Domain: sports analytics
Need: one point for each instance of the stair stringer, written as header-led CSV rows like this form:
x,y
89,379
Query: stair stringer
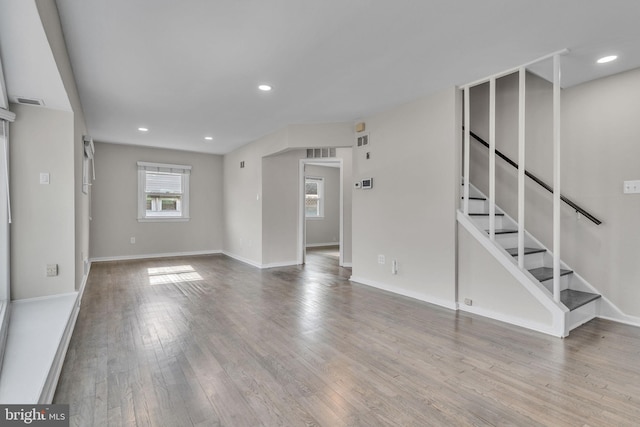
x,y
557,310
601,308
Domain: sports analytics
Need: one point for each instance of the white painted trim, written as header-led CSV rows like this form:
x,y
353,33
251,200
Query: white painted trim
x,y
556,309
7,115
466,154
512,320
161,255
28,300
556,178
279,264
492,159
522,88
320,245
347,264
514,69
405,292
51,383
242,259
258,265
84,283
633,321
610,311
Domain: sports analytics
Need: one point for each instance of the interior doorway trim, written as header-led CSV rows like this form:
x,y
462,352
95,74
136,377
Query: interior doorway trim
x,y
301,216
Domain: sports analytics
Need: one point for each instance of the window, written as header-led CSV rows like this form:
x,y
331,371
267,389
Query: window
x,y
314,197
163,192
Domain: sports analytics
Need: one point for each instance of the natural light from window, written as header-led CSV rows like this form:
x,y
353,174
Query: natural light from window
x,y
175,274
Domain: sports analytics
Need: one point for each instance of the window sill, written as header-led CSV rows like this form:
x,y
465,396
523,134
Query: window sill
x,y
164,219
315,218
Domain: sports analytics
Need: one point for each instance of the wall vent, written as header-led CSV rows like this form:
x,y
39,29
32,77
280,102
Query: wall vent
x,y
29,101
319,153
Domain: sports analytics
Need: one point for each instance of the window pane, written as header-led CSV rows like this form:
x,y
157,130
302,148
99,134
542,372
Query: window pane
x,y
170,204
311,187
311,206
158,182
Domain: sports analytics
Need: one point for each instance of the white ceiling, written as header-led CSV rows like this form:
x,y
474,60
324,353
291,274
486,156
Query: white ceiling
x,y
29,67
187,69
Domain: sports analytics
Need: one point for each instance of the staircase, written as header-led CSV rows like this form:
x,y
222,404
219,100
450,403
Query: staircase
x,y
579,297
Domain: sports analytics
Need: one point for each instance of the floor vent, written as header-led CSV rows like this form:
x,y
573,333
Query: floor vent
x,y
29,101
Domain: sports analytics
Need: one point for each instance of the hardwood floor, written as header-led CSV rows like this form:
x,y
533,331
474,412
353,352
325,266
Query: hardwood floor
x,y
208,341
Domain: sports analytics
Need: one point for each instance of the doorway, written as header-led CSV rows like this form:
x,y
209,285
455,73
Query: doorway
x,y
321,207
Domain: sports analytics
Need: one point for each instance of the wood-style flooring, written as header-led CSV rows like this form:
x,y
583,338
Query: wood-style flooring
x,y
208,341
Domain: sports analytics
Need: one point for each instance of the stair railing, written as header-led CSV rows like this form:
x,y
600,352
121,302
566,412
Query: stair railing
x,y
522,173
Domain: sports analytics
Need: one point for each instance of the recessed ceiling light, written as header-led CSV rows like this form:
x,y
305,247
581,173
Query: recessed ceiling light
x,y
143,129
265,88
208,138
606,59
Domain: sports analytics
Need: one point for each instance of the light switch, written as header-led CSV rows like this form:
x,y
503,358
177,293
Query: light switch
x,y
44,177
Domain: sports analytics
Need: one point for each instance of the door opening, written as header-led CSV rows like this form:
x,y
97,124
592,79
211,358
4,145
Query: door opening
x,y
321,212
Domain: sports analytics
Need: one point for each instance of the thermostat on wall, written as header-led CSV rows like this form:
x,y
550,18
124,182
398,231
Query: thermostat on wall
x,y
367,183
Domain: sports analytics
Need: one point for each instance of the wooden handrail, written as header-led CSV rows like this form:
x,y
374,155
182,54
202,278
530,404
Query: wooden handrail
x,y
541,183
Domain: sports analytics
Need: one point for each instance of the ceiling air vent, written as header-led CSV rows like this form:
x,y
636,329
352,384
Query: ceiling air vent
x,y
29,101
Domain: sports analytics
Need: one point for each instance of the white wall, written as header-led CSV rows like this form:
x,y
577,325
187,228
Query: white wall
x,y
243,198
409,215
43,228
598,153
325,230
600,150
245,225
114,207
280,207
51,22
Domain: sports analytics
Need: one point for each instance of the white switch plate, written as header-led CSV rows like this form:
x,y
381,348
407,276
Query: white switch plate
x,y
631,187
44,177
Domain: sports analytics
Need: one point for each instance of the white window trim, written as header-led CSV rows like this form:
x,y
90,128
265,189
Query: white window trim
x,y
185,170
320,216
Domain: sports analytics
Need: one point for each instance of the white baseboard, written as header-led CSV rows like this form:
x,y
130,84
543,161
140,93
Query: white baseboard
x,y
258,265
161,255
279,264
319,245
347,264
242,259
405,292
512,320
610,311
84,282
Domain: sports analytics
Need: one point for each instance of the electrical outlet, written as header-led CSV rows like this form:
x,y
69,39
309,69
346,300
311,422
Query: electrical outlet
x,y
631,187
468,301
132,240
52,270
381,259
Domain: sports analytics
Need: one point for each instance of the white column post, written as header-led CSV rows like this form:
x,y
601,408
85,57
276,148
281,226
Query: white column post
x,y
556,178
492,158
467,140
521,163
